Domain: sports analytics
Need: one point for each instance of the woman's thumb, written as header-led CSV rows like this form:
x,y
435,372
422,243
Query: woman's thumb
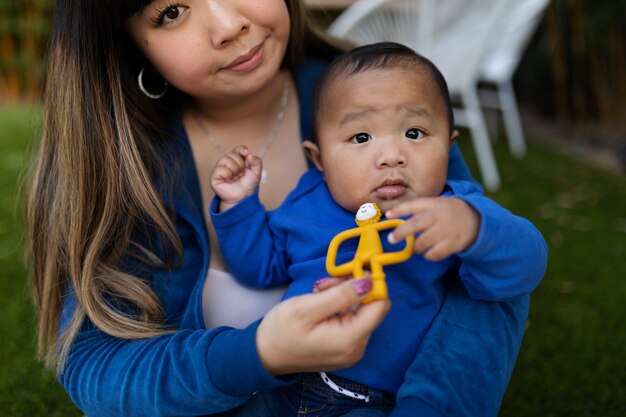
x,y
325,304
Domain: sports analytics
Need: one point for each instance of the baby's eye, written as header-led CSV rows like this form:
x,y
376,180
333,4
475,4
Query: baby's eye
x,y
361,137
414,133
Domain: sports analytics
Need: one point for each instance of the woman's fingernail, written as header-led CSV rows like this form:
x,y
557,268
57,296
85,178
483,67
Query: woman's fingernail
x,y
391,238
353,308
320,281
362,286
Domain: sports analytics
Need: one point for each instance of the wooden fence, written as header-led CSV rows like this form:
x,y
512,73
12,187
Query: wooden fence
x,y
586,42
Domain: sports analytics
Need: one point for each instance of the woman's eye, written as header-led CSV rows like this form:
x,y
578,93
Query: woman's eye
x,y
172,13
361,138
169,15
414,133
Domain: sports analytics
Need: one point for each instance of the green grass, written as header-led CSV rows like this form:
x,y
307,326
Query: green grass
x,y
26,389
572,361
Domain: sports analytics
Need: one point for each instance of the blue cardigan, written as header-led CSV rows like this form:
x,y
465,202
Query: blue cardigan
x,y
288,246
195,371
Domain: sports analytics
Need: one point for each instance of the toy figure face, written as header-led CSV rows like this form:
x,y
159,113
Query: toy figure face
x,y
383,136
213,49
366,211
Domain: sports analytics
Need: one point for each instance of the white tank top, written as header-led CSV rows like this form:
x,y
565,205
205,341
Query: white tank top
x,y
225,302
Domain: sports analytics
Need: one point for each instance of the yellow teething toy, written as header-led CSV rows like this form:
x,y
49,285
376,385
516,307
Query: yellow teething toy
x,y
369,252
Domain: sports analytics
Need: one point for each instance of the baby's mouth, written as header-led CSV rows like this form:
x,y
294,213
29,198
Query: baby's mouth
x,y
390,189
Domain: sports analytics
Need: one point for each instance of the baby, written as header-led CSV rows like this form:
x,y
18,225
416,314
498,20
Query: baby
x,y
383,132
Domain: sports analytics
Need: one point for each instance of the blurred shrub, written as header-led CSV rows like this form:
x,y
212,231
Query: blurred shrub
x,y
24,28
575,69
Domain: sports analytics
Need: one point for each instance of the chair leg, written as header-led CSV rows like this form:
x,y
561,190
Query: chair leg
x,y
480,139
512,123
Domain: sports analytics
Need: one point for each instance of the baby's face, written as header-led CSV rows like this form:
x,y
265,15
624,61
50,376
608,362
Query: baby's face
x,y
384,137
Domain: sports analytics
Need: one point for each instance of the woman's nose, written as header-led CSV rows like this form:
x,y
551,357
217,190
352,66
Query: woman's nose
x,y
390,156
227,23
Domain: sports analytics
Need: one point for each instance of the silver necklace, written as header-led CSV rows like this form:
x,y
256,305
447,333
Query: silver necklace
x,y
270,138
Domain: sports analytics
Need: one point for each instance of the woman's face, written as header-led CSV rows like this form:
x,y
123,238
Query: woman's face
x,y
213,49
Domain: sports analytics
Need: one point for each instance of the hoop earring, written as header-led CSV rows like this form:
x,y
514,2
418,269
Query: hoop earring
x,y
146,92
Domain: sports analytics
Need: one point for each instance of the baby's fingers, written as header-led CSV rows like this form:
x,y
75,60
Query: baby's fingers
x,y
255,164
432,245
439,251
233,161
410,207
412,225
241,150
425,241
228,168
221,173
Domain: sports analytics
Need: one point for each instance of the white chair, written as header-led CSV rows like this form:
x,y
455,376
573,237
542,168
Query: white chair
x,y
513,34
454,34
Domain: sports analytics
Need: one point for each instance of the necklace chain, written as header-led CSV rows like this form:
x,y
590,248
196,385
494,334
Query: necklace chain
x,y
270,138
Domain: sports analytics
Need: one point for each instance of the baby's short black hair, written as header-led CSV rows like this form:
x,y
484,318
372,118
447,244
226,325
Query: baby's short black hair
x,y
378,56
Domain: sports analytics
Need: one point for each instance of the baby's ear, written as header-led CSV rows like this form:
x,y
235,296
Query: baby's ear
x,y
312,151
454,136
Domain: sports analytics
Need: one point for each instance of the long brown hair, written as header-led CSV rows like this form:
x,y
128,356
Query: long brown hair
x,y
91,197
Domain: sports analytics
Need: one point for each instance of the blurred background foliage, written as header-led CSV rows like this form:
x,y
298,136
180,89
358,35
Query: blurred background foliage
x,y
575,68
24,29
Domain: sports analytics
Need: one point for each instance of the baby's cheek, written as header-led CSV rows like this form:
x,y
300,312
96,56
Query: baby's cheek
x,y
346,196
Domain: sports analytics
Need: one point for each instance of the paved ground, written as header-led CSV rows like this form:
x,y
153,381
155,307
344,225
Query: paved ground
x,y
609,154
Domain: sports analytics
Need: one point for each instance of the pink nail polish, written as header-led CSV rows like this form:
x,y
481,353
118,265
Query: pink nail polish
x,y
320,281
362,286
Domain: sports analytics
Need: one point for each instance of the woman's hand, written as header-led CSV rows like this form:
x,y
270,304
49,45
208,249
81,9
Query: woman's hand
x,y
314,332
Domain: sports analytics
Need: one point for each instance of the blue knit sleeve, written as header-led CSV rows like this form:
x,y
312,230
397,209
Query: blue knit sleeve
x,y
255,255
508,258
186,373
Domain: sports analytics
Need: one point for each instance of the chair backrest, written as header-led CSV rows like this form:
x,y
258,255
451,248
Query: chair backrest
x,y
370,21
454,34
514,32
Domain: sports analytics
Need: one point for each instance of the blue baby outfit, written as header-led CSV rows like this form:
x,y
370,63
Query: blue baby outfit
x,y
289,244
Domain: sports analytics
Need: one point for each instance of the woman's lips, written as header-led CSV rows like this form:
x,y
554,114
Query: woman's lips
x,y
248,61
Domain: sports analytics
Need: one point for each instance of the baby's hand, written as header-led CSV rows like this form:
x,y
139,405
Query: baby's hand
x,y
236,175
446,225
